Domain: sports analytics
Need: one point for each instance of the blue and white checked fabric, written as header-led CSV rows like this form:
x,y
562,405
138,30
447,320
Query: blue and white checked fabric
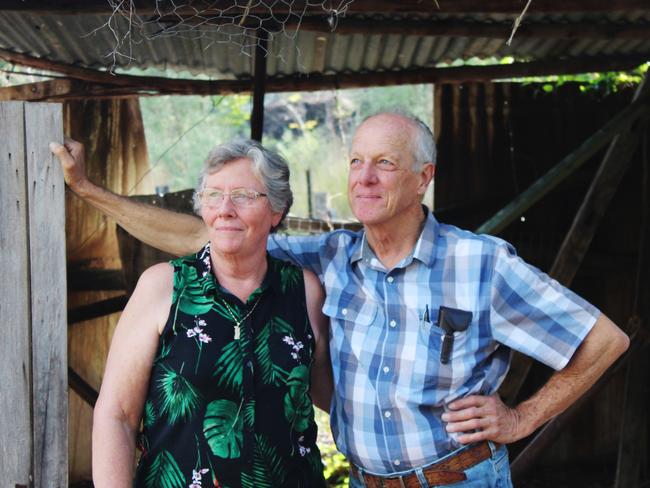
x,y
390,387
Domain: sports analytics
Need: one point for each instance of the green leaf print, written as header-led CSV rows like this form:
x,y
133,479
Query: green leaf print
x,y
149,417
190,293
271,373
289,277
268,469
249,414
164,472
298,408
179,399
229,367
222,427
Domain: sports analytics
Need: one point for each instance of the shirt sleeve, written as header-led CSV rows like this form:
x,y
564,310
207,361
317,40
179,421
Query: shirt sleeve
x,y
535,315
303,251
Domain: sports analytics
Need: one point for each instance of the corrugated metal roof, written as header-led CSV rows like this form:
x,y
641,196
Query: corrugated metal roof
x,y
222,53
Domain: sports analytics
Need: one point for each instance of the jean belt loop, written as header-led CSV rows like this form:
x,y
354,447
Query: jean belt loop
x,y
421,478
493,448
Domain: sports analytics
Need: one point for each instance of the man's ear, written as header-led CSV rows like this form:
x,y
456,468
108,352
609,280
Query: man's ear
x,y
426,175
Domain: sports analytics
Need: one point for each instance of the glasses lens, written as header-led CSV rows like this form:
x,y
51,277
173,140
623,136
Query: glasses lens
x,y
242,197
212,197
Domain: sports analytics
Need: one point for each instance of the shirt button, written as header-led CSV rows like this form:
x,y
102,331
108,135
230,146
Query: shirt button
x,y
396,462
392,323
344,311
386,369
390,279
387,414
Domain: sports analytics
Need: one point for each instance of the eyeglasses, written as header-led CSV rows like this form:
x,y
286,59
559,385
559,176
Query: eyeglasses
x,y
240,197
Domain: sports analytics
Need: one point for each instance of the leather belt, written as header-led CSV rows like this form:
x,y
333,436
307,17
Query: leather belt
x,y
444,472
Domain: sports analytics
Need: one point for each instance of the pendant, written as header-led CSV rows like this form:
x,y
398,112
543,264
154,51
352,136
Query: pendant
x,y
237,333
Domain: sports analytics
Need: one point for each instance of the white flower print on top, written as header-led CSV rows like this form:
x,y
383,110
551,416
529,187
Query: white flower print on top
x,y
197,477
295,346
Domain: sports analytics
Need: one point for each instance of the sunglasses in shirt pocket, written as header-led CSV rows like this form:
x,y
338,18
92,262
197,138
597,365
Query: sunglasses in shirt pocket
x,y
447,334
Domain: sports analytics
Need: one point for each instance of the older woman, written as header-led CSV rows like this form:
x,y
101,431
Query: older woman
x,y
213,352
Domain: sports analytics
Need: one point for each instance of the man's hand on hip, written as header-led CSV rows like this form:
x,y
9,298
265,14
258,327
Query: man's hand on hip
x,y
482,418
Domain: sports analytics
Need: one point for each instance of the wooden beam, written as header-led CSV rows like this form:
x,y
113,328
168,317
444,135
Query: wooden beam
x,y
109,85
598,197
633,442
564,168
82,388
86,279
36,91
434,26
574,248
148,7
97,309
259,86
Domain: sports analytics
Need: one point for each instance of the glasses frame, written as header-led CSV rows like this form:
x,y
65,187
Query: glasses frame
x,y
252,196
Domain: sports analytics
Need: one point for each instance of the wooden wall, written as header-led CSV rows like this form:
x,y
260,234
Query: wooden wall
x,y
33,359
495,139
116,157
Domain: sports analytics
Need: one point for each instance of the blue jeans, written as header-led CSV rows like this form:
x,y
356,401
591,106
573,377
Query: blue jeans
x,y
494,472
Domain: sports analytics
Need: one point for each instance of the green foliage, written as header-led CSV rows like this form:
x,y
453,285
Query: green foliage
x,y
267,469
164,472
270,372
179,399
229,367
607,82
222,427
297,404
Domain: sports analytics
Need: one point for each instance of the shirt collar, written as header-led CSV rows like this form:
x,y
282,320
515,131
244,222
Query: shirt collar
x,y
424,250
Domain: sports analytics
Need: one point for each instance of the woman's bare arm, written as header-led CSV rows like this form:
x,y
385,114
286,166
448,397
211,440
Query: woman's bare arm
x,y
173,232
321,369
117,414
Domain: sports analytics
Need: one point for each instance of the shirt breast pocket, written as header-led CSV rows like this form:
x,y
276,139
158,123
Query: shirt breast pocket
x,y
445,344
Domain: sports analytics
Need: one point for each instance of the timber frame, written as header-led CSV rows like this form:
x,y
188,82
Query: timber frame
x,y
364,18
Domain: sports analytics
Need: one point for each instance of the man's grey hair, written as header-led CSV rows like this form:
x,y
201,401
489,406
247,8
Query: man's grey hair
x,y
424,144
271,168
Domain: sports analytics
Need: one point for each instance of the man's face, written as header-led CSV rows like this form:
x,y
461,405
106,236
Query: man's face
x,y
381,183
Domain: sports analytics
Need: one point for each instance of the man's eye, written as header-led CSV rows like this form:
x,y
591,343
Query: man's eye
x,y
354,161
385,162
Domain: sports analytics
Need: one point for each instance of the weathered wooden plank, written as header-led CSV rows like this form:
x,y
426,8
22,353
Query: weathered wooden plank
x,y
124,85
45,187
91,279
15,354
564,168
37,91
97,309
633,443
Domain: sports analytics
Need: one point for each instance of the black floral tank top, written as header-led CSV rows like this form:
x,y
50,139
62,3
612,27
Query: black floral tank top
x,y
228,405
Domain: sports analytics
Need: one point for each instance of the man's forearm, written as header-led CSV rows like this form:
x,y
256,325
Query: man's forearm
x,y
173,232
602,346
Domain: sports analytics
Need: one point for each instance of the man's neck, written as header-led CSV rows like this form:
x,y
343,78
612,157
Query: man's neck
x,y
393,241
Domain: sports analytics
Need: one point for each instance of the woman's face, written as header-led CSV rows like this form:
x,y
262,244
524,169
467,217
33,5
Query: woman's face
x,y
238,230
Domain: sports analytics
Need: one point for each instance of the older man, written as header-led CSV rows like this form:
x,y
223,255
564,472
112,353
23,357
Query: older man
x,y
423,319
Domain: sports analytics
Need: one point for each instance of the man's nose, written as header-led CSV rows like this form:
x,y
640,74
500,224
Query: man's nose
x,y
367,173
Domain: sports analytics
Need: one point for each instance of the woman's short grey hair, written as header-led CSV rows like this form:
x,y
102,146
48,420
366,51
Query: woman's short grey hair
x,y
423,144
271,168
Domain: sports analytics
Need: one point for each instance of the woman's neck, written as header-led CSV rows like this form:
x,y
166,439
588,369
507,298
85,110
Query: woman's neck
x,y
240,276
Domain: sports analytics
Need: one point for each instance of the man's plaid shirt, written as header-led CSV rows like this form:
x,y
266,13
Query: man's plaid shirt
x,y
390,386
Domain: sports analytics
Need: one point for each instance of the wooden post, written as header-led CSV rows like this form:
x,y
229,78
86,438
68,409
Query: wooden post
x,y
33,351
259,86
